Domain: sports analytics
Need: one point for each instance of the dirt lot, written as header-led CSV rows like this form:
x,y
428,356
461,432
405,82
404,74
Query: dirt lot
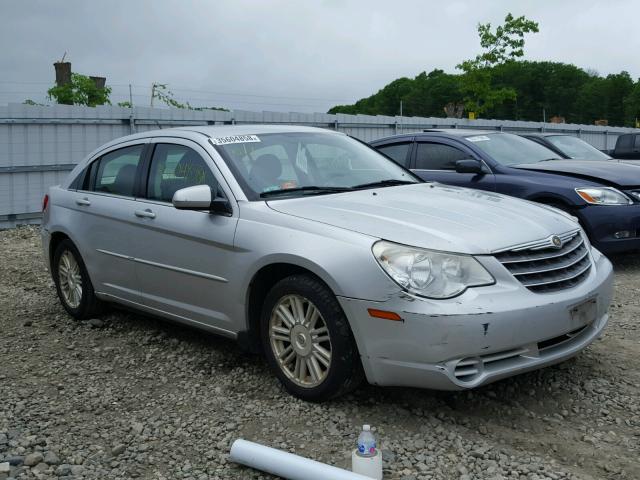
x,y
126,396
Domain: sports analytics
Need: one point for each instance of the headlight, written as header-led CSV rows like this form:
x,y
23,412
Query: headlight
x,y
428,273
603,196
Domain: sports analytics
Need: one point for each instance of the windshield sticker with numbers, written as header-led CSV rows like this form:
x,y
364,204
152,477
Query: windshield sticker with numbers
x,y
478,138
235,139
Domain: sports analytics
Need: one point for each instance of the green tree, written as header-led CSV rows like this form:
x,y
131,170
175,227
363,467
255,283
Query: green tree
x,y
591,101
504,45
617,88
81,91
429,94
632,106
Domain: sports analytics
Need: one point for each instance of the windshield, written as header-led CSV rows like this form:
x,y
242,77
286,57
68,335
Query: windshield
x,y
509,149
278,165
576,148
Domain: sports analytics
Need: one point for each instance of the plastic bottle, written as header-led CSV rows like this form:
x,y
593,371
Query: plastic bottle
x,y
366,442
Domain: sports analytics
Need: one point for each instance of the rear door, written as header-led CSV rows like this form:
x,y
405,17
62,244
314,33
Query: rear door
x,y
185,258
104,210
435,160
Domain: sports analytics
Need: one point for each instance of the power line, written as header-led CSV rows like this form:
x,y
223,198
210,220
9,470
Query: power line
x,y
174,89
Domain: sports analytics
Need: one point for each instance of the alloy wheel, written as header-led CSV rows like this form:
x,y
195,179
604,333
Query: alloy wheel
x,y
300,340
70,279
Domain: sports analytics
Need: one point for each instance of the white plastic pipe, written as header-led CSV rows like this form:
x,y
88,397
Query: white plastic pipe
x,y
287,465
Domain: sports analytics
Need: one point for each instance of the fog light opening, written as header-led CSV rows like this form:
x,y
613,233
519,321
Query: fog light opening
x,y
622,234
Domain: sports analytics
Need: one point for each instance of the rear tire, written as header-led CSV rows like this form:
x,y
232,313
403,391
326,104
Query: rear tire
x,y
307,340
73,284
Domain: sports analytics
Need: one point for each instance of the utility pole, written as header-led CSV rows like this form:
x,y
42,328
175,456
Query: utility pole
x,y
401,128
130,97
153,92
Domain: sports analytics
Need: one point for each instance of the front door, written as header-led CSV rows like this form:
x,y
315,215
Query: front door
x,y
185,257
435,161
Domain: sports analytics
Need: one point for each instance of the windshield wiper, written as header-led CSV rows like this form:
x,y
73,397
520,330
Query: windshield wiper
x,y
550,159
315,189
384,183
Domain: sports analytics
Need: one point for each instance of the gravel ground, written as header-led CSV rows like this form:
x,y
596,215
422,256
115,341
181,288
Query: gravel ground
x,y
126,396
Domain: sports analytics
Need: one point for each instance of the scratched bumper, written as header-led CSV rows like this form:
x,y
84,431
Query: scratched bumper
x,y
484,335
45,237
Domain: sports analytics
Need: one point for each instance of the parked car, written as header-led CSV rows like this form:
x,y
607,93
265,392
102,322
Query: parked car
x,y
567,146
627,147
603,195
334,261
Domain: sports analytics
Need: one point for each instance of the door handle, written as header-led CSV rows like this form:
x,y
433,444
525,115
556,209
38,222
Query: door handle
x,y
83,202
145,213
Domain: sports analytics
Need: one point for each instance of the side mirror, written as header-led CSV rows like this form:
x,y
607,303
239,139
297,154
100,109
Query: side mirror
x,y
200,197
469,165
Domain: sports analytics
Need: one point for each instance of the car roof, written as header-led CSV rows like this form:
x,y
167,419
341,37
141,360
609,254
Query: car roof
x,y
193,132
458,132
545,134
197,131
249,129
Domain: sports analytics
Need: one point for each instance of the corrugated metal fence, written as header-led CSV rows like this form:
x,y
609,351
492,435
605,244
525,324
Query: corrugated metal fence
x,y
39,145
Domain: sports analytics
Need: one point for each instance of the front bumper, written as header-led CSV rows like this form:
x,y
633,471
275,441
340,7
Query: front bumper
x,y
45,236
486,334
602,222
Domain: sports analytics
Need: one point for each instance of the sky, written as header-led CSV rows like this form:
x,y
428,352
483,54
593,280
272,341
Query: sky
x,y
288,55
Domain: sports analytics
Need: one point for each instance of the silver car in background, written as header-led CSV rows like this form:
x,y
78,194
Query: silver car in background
x,y
335,262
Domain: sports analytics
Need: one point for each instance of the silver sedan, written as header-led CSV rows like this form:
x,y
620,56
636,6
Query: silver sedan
x,y
335,262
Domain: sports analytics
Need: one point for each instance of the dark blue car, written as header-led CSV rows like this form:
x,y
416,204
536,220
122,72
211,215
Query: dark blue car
x,y
604,195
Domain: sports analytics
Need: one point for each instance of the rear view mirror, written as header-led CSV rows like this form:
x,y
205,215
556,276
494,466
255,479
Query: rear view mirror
x,y
200,197
469,165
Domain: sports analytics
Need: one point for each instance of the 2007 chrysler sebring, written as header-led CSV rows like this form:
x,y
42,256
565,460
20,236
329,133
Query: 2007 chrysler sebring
x,y
328,256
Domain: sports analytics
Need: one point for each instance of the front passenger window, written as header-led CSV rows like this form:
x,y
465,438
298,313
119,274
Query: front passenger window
x,y
174,167
437,156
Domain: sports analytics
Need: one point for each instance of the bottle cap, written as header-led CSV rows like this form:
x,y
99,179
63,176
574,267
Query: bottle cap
x,y
366,428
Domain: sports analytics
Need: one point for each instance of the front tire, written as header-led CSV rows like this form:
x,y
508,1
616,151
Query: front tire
x,y
73,284
307,340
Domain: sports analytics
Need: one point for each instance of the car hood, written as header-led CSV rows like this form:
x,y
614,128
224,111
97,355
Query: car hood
x,y
608,171
434,216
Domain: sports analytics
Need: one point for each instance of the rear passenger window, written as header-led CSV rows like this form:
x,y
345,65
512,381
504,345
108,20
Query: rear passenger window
x,y
398,152
115,172
435,156
174,167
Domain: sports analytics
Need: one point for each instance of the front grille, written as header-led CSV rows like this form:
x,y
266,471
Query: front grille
x,y
470,368
543,268
552,342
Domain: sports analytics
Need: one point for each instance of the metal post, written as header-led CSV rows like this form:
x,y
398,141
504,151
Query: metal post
x,y
130,97
401,129
153,92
